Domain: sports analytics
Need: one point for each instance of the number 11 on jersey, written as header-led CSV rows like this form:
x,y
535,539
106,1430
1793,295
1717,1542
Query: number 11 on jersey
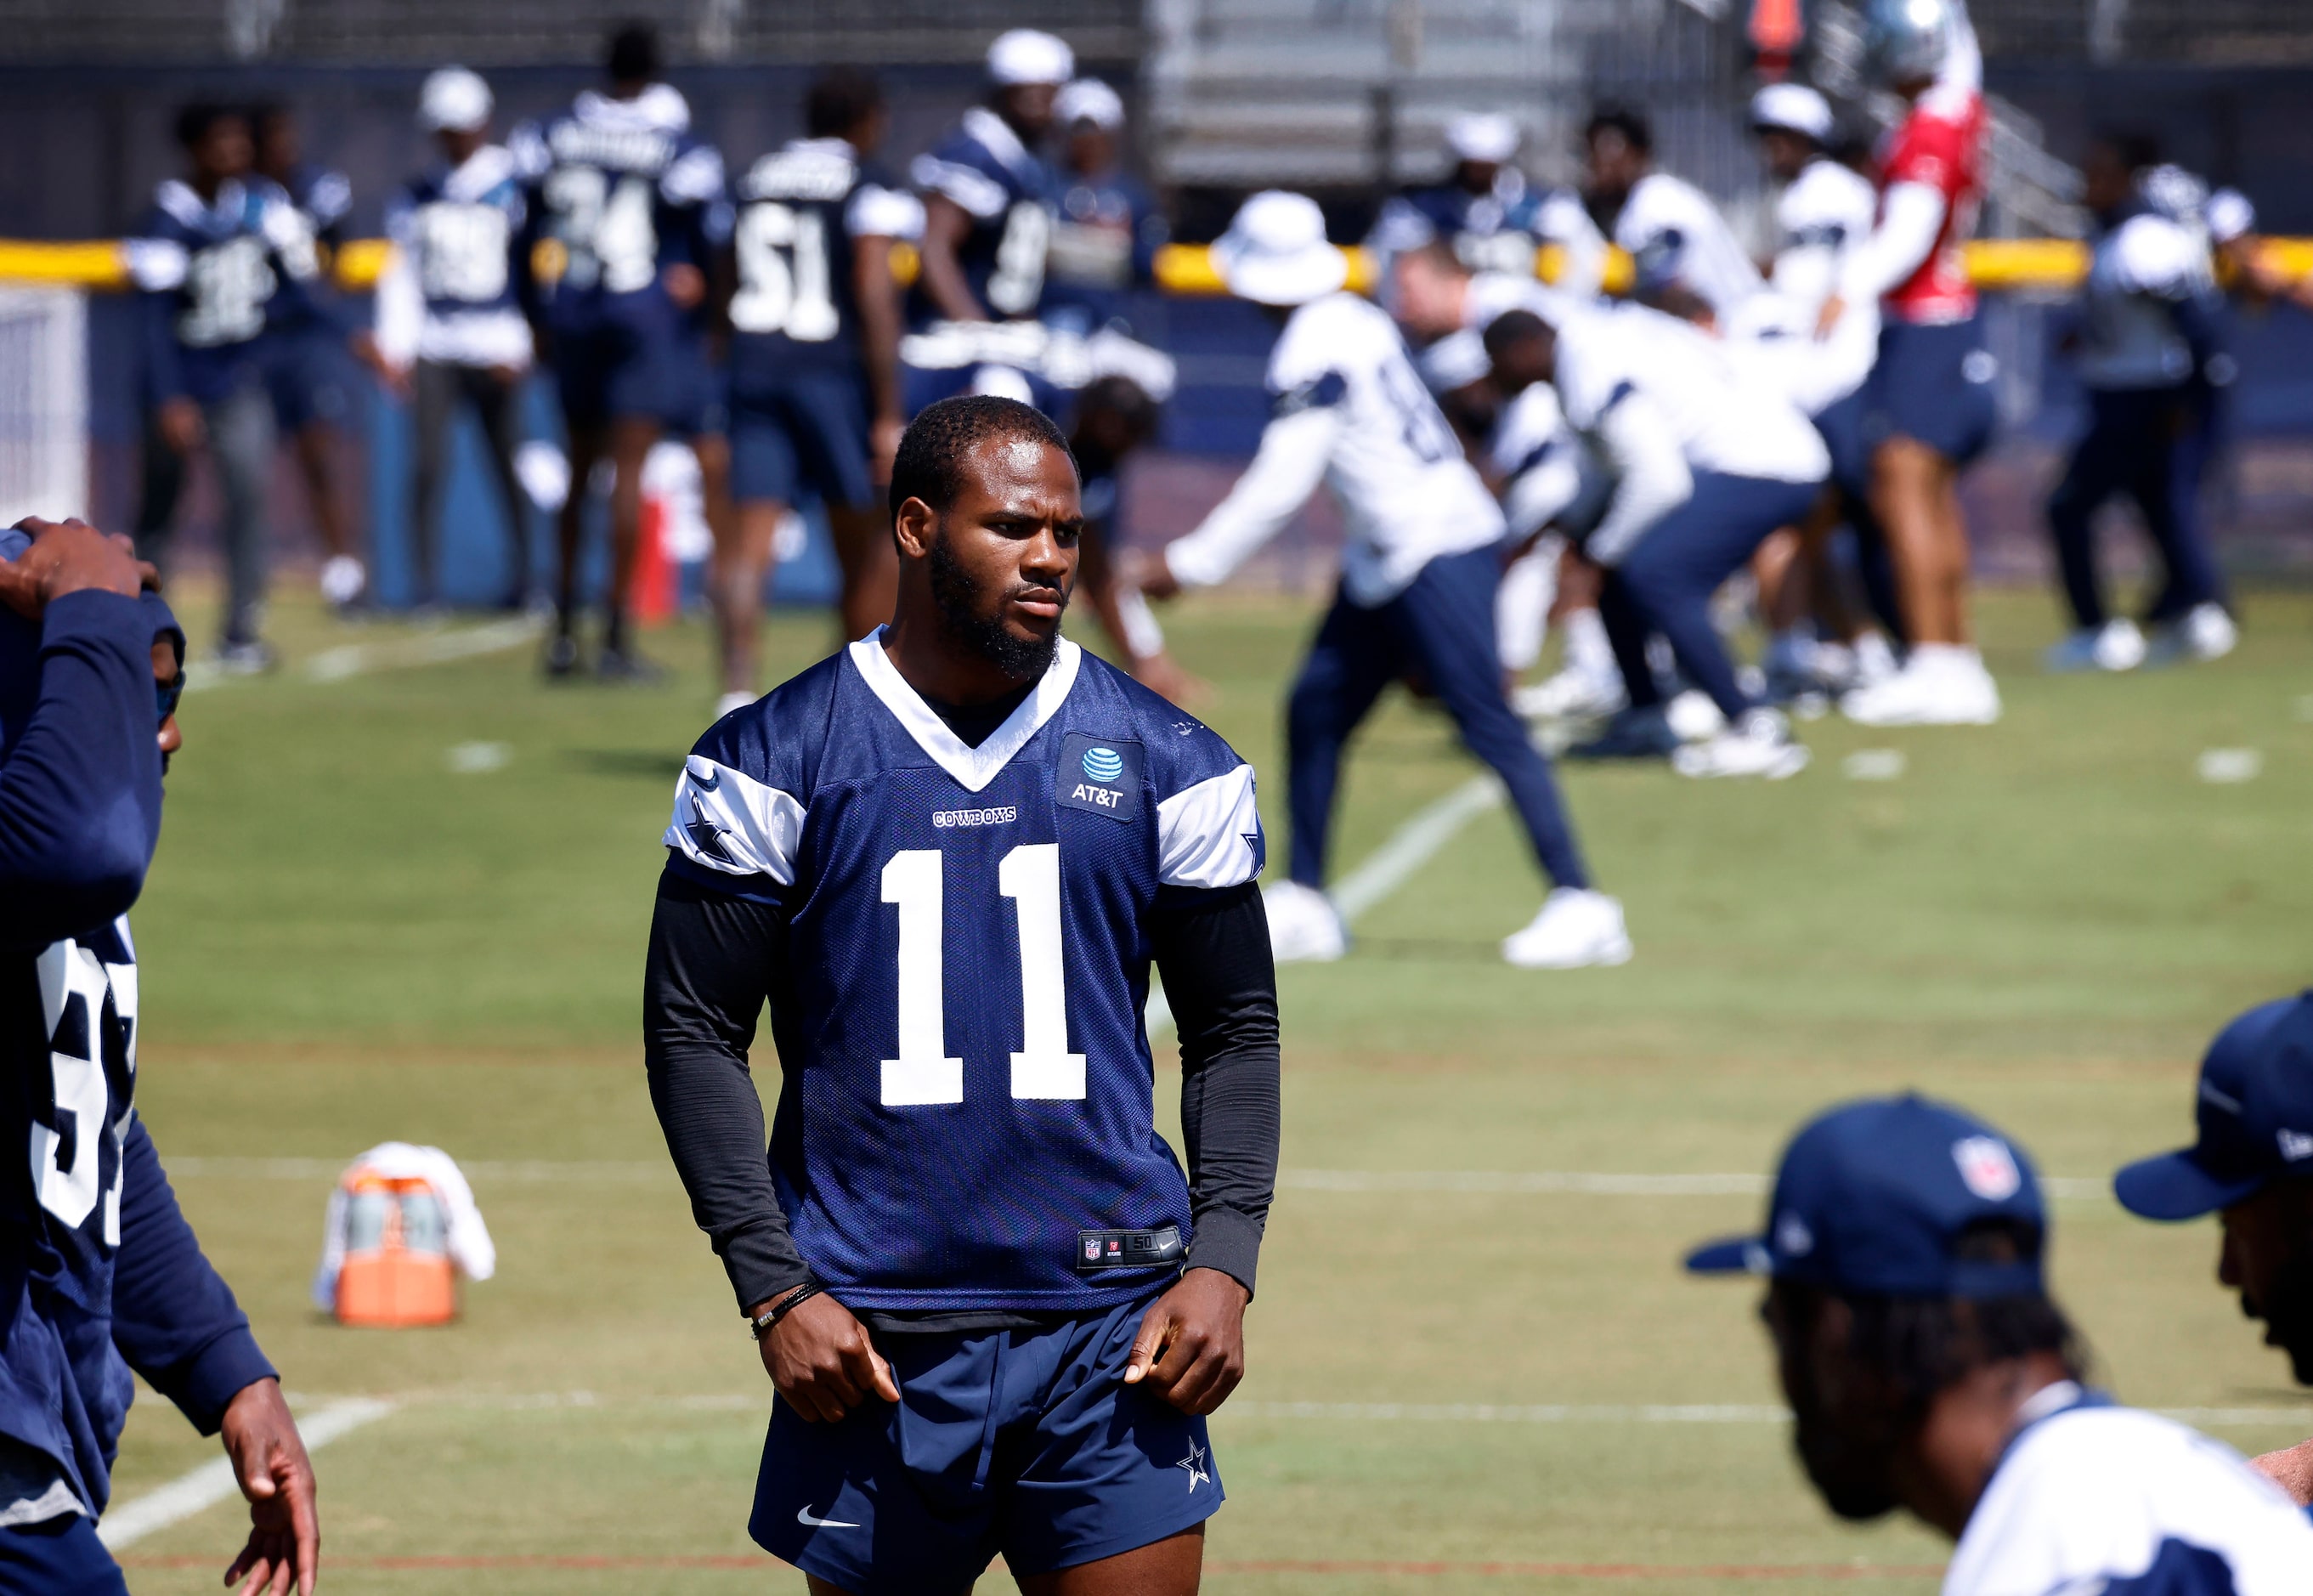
x,y
1043,1068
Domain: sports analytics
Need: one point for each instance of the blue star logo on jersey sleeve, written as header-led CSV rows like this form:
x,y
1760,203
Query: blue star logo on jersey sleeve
x,y
708,838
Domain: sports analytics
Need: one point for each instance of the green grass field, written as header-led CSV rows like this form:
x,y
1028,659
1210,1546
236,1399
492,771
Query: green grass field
x,y
346,939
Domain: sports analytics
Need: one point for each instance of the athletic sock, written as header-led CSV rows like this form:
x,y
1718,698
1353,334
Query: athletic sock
x,y
1587,648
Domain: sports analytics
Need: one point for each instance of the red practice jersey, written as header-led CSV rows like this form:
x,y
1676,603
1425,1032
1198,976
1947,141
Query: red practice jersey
x,y
1941,145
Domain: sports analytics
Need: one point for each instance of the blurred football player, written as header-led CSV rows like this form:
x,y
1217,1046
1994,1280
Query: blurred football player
x,y
995,1311
1107,226
623,205
1927,1369
1687,259
104,1275
448,325
1707,460
306,369
1930,411
988,193
221,259
1490,215
1418,578
2149,348
815,405
2251,1164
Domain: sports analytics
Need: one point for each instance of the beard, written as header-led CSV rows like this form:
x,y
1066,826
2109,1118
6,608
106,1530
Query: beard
x,y
2287,1311
1024,659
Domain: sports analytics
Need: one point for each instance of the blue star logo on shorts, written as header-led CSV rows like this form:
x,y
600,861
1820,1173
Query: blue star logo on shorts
x,y
1195,1464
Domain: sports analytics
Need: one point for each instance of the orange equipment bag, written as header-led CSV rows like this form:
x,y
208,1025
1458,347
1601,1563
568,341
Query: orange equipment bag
x,y
397,1268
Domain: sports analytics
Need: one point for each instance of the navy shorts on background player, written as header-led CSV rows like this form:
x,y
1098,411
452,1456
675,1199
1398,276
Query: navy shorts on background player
x,y
1933,384
1023,1442
807,429
616,366
60,1557
306,378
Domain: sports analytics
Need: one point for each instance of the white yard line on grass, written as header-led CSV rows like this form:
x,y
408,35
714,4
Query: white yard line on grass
x,y
212,1482
360,659
1385,870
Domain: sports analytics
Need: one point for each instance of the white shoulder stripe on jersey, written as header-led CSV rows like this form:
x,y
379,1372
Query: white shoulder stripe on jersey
x,y
975,190
972,768
1205,832
728,822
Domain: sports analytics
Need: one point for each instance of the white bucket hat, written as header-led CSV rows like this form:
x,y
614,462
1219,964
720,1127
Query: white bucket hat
x,y
1089,100
1482,135
1275,251
1792,108
453,99
1026,56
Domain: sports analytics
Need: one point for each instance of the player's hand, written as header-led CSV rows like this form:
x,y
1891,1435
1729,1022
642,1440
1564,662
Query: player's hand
x,y
66,557
2292,1469
1828,317
269,1463
1151,573
884,436
1191,1349
685,284
820,1361
181,426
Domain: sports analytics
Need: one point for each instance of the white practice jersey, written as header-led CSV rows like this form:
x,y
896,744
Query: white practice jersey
x,y
1725,417
1348,409
1541,463
1772,338
1820,216
2139,270
2103,1501
1676,236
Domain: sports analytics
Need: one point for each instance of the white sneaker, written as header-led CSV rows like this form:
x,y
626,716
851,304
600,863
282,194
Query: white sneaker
x,y
1572,694
1693,716
1759,745
1576,926
2115,645
1304,926
732,701
1941,685
343,578
2206,632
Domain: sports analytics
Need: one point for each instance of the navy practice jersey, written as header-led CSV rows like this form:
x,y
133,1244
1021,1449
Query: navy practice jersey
x,y
215,277
967,1100
1104,242
1499,230
618,191
449,293
798,210
1008,193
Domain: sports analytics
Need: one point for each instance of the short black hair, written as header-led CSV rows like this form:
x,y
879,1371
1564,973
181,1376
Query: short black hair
x,y
929,463
1506,331
195,121
632,55
2135,151
1627,120
264,113
841,99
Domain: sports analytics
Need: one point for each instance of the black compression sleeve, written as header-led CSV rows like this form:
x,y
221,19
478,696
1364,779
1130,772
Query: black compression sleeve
x,y
703,986
1213,949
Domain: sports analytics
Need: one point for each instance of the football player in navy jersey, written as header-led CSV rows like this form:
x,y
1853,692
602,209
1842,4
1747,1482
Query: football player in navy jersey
x,y
988,193
221,259
814,360
995,1308
621,204
305,370
1108,227
98,1273
448,327
1493,217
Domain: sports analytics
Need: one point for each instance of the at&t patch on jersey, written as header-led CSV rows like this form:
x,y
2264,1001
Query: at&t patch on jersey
x,y
1102,774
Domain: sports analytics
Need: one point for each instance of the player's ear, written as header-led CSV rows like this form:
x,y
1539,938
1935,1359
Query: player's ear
x,y
914,527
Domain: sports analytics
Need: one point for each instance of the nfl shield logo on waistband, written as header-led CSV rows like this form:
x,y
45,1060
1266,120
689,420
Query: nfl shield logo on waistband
x,y
1092,1250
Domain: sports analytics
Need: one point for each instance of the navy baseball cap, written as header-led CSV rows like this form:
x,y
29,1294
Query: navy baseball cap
x,y
1875,1197
2254,1111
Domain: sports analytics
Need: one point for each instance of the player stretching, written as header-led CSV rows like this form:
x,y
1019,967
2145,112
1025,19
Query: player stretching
x,y
1418,579
815,359
1930,406
995,1312
622,204
1928,1369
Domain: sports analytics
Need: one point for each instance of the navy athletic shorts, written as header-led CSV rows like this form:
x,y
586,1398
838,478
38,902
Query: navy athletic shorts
x,y
803,430
60,1557
1023,1442
617,361
306,379
694,390
1934,384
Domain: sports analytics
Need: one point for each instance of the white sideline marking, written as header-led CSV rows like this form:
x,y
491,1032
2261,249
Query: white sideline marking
x,y
478,759
2225,767
212,1482
357,660
522,1169
1385,870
